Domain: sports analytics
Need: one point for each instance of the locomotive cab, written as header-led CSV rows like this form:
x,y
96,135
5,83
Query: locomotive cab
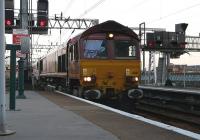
x,y
104,62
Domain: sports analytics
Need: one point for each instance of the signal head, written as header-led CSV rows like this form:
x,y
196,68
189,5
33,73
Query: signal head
x,y
42,23
8,22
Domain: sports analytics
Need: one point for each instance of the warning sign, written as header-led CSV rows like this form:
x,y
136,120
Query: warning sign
x,y
18,35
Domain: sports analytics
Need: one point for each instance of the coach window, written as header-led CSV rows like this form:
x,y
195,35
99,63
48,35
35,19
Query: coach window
x,y
63,66
41,65
71,52
76,53
59,64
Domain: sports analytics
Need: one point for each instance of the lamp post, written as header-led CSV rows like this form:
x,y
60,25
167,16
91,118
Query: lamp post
x,y
3,130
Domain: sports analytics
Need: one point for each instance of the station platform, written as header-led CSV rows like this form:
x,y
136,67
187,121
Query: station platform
x,y
51,116
173,89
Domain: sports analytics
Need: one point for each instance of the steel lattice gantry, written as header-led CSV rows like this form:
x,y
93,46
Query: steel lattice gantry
x,y
67,23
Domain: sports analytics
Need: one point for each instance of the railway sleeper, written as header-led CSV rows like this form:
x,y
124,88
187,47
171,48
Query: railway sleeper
x,y
192,109
178,97
185,102
173,114
171,107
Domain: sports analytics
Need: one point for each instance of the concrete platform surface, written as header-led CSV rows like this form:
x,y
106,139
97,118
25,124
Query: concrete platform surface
x,y
40,119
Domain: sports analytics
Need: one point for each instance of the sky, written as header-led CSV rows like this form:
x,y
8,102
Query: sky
x,y
155,14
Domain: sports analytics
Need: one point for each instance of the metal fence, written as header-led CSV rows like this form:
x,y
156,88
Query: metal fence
x,y
178,79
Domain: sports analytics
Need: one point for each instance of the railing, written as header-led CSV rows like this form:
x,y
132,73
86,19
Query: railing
x,y
178,79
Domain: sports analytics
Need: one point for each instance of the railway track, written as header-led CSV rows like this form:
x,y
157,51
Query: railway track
x,y
176,107
169,116
183,115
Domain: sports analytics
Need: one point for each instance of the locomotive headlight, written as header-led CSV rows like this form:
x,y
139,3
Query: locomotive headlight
x,y
87,79
110,35
136,79
91,80
130,79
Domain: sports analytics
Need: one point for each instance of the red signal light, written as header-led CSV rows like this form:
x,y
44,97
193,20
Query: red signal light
x,y
150,44
8,22
182,45
43,23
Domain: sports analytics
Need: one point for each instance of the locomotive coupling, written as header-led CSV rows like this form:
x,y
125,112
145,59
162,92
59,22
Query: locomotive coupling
x,y
135,93
92,94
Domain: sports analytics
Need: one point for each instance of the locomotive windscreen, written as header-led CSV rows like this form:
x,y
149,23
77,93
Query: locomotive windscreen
x,y
95,49
112,49
124,49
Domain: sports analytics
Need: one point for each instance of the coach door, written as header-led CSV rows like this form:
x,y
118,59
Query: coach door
x,y
73,63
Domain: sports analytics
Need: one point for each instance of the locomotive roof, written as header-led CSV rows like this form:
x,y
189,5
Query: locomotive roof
x,y
110,26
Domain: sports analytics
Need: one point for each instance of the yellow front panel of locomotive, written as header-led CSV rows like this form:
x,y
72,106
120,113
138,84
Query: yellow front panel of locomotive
x,y
88,71
110,73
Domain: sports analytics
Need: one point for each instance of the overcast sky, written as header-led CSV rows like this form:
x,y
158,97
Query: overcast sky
x,y
155,13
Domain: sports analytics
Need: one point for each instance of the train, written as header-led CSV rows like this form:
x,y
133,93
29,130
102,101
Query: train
x,y
100,63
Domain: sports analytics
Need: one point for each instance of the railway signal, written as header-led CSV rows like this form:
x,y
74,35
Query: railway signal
x,y
9,15
42,15
12,22
180,28
8,22
42,23
39,22
170,42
